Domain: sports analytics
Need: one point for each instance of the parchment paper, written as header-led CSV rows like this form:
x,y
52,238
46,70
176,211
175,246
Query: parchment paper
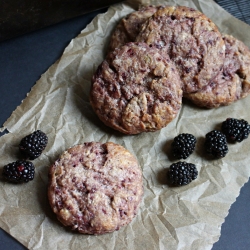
x,y
187,217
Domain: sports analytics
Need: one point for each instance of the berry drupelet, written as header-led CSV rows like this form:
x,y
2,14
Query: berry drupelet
x,y
182,173
216,144
32,145
19,171
235,130
183,145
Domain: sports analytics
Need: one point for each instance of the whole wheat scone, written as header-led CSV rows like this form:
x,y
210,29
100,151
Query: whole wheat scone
x,y
191,40
233,81
136,89
95,188
129,27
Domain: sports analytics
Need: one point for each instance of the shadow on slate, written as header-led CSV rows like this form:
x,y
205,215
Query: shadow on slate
x,y
20,17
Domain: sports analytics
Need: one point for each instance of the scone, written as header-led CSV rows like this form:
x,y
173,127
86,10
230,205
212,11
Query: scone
x,y
233,81
129,27
136,89
192,41
95,188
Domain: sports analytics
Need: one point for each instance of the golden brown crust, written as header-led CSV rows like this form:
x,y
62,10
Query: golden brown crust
x,y
95,188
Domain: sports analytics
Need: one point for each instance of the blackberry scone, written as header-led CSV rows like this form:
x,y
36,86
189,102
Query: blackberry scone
x,y
95,188
192,41
136,89
233,81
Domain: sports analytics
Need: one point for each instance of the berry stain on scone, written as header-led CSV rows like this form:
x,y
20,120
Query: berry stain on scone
x,y
129,27
233,81
95,188
136,89
191,40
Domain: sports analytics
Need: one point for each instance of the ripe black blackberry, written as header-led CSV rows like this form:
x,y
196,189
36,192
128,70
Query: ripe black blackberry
x,y
32,145
183,145
216,144
235,130
19,171
182,173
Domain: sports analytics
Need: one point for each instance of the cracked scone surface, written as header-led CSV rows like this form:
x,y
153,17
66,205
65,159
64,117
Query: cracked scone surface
x,y
129,27
233,81
191,40
136,89
95,188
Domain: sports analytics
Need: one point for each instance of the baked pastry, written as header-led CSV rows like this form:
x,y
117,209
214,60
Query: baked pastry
x,y
233,81
136,89
192,41
129,27
95,188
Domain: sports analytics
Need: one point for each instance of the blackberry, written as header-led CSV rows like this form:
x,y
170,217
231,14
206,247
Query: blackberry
x,y
32,145
19,171
216,144
183,146
235,130
182,173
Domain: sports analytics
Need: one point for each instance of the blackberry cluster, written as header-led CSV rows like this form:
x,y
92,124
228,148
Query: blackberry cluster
x,y
182,173
235,130
32,145
183,145
216,144
19,171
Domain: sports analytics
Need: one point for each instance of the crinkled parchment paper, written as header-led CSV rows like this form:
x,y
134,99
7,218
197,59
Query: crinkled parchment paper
x,y
187,217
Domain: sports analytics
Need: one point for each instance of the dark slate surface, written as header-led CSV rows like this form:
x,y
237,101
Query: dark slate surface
x,y
238,8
